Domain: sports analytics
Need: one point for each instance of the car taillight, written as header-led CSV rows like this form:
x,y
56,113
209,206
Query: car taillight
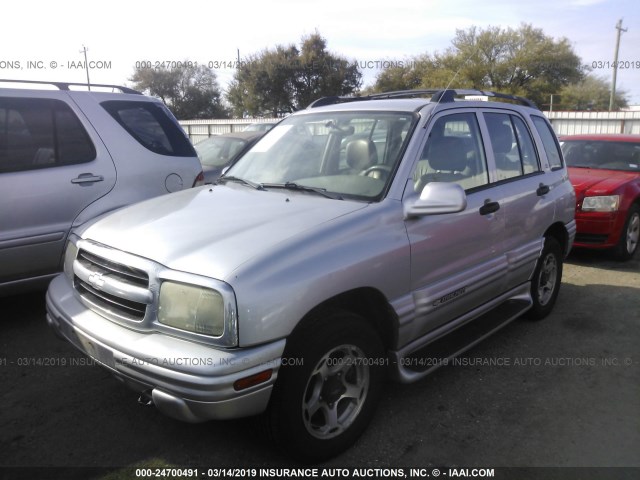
x,y
199,180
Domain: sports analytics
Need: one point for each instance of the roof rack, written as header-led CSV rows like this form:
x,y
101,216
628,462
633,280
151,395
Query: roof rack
x,y
66,85
437,95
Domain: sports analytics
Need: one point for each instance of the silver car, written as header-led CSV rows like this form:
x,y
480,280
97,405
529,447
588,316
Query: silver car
x,y
359,238
68,156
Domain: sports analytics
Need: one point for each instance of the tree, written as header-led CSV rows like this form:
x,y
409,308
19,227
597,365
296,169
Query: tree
x,y
591,93
285,79
401,76
191,91
263,83
322,73
522,62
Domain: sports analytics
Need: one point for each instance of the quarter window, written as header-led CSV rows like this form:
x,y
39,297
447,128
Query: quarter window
x,y
41,133
152,125
525,145
551,147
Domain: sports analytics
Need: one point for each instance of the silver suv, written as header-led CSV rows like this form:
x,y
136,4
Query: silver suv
x,y
359,238
67,156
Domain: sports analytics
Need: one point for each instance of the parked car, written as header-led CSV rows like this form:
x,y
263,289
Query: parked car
x,y
218,152
605,172
68,156
323,261
259,127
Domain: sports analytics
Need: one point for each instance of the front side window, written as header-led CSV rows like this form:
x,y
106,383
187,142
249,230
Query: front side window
x,y
152,125
343,154
453,153
41,133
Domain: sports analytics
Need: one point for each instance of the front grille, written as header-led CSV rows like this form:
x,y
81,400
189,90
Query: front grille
x,y
132,275
111,288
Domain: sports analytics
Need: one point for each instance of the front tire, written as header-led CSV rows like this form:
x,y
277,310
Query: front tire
x,y
547,277
630,236
318,409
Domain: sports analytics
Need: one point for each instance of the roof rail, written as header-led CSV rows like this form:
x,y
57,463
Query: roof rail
x,y
437,95
66,85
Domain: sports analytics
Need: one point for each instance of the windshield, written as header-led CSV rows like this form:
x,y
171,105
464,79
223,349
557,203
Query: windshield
x,y
218,151
348,154
599,154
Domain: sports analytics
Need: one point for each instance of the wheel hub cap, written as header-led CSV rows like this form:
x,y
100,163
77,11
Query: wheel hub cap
x,y
335,392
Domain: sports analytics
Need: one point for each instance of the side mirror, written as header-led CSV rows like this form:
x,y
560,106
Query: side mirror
x,y
437,198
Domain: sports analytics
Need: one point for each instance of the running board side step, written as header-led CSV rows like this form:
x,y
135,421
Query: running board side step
x,y
435,352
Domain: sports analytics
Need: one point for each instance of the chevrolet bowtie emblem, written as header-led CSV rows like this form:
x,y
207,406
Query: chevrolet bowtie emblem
x,y
96,279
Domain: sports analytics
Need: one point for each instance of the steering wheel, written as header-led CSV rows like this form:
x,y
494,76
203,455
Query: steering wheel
x,y
377,171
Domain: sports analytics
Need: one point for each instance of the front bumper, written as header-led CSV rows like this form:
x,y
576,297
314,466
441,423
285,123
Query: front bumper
x,y
186,380
598,229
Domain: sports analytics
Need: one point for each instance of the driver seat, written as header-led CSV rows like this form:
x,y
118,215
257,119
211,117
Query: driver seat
x,y
361,154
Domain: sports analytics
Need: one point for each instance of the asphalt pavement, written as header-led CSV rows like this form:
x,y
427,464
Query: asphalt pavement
x,y
563,392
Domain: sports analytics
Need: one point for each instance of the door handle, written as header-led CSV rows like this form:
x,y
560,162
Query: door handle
x,y
87,178
542,190
489,207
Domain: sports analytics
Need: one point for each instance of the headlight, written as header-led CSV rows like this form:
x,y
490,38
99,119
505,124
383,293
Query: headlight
x,y
70,255
192,308
609,203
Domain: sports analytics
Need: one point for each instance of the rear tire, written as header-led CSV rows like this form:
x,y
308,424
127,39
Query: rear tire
x,y
547,277
320,408
630,236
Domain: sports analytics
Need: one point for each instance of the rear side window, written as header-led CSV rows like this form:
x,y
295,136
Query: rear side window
x,y
512,146
41,133
549,142
152,125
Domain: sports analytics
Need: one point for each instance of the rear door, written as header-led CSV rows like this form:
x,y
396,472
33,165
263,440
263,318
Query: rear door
x,y
52,166
527,202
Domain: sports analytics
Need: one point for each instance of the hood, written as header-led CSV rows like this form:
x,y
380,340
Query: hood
x,y
597,181
213,230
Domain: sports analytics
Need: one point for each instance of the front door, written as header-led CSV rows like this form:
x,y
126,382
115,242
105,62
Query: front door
x,y
457,260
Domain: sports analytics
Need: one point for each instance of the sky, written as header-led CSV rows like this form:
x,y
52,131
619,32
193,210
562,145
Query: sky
x,y
43,40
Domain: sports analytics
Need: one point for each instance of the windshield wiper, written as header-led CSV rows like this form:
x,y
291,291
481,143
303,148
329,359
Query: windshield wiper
x,y
303,188
243,181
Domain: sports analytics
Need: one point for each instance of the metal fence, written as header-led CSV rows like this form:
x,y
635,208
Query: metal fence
x,y
564,123
199,130
572,123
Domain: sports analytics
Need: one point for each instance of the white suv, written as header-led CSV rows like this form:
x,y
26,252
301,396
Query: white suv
x,y
67,156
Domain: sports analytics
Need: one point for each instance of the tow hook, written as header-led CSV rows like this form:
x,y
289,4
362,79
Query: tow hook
x,y
145,399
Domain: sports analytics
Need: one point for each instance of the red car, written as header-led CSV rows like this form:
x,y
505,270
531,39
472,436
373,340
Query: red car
x,y
605,173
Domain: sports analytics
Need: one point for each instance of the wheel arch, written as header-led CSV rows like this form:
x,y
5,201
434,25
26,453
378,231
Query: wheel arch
x,y
367,302
559,232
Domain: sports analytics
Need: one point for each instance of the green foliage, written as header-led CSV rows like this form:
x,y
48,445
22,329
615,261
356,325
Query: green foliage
x,y
286,78
263,83
191,91
592,93
521,61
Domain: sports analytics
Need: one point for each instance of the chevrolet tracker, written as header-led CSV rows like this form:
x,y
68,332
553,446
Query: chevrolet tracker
x,y
357,237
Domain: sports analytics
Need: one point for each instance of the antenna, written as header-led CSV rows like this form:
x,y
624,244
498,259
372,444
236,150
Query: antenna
x,y
86,65
446,93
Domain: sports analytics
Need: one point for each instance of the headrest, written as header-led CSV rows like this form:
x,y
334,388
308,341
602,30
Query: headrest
x,y
361,154
448,153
